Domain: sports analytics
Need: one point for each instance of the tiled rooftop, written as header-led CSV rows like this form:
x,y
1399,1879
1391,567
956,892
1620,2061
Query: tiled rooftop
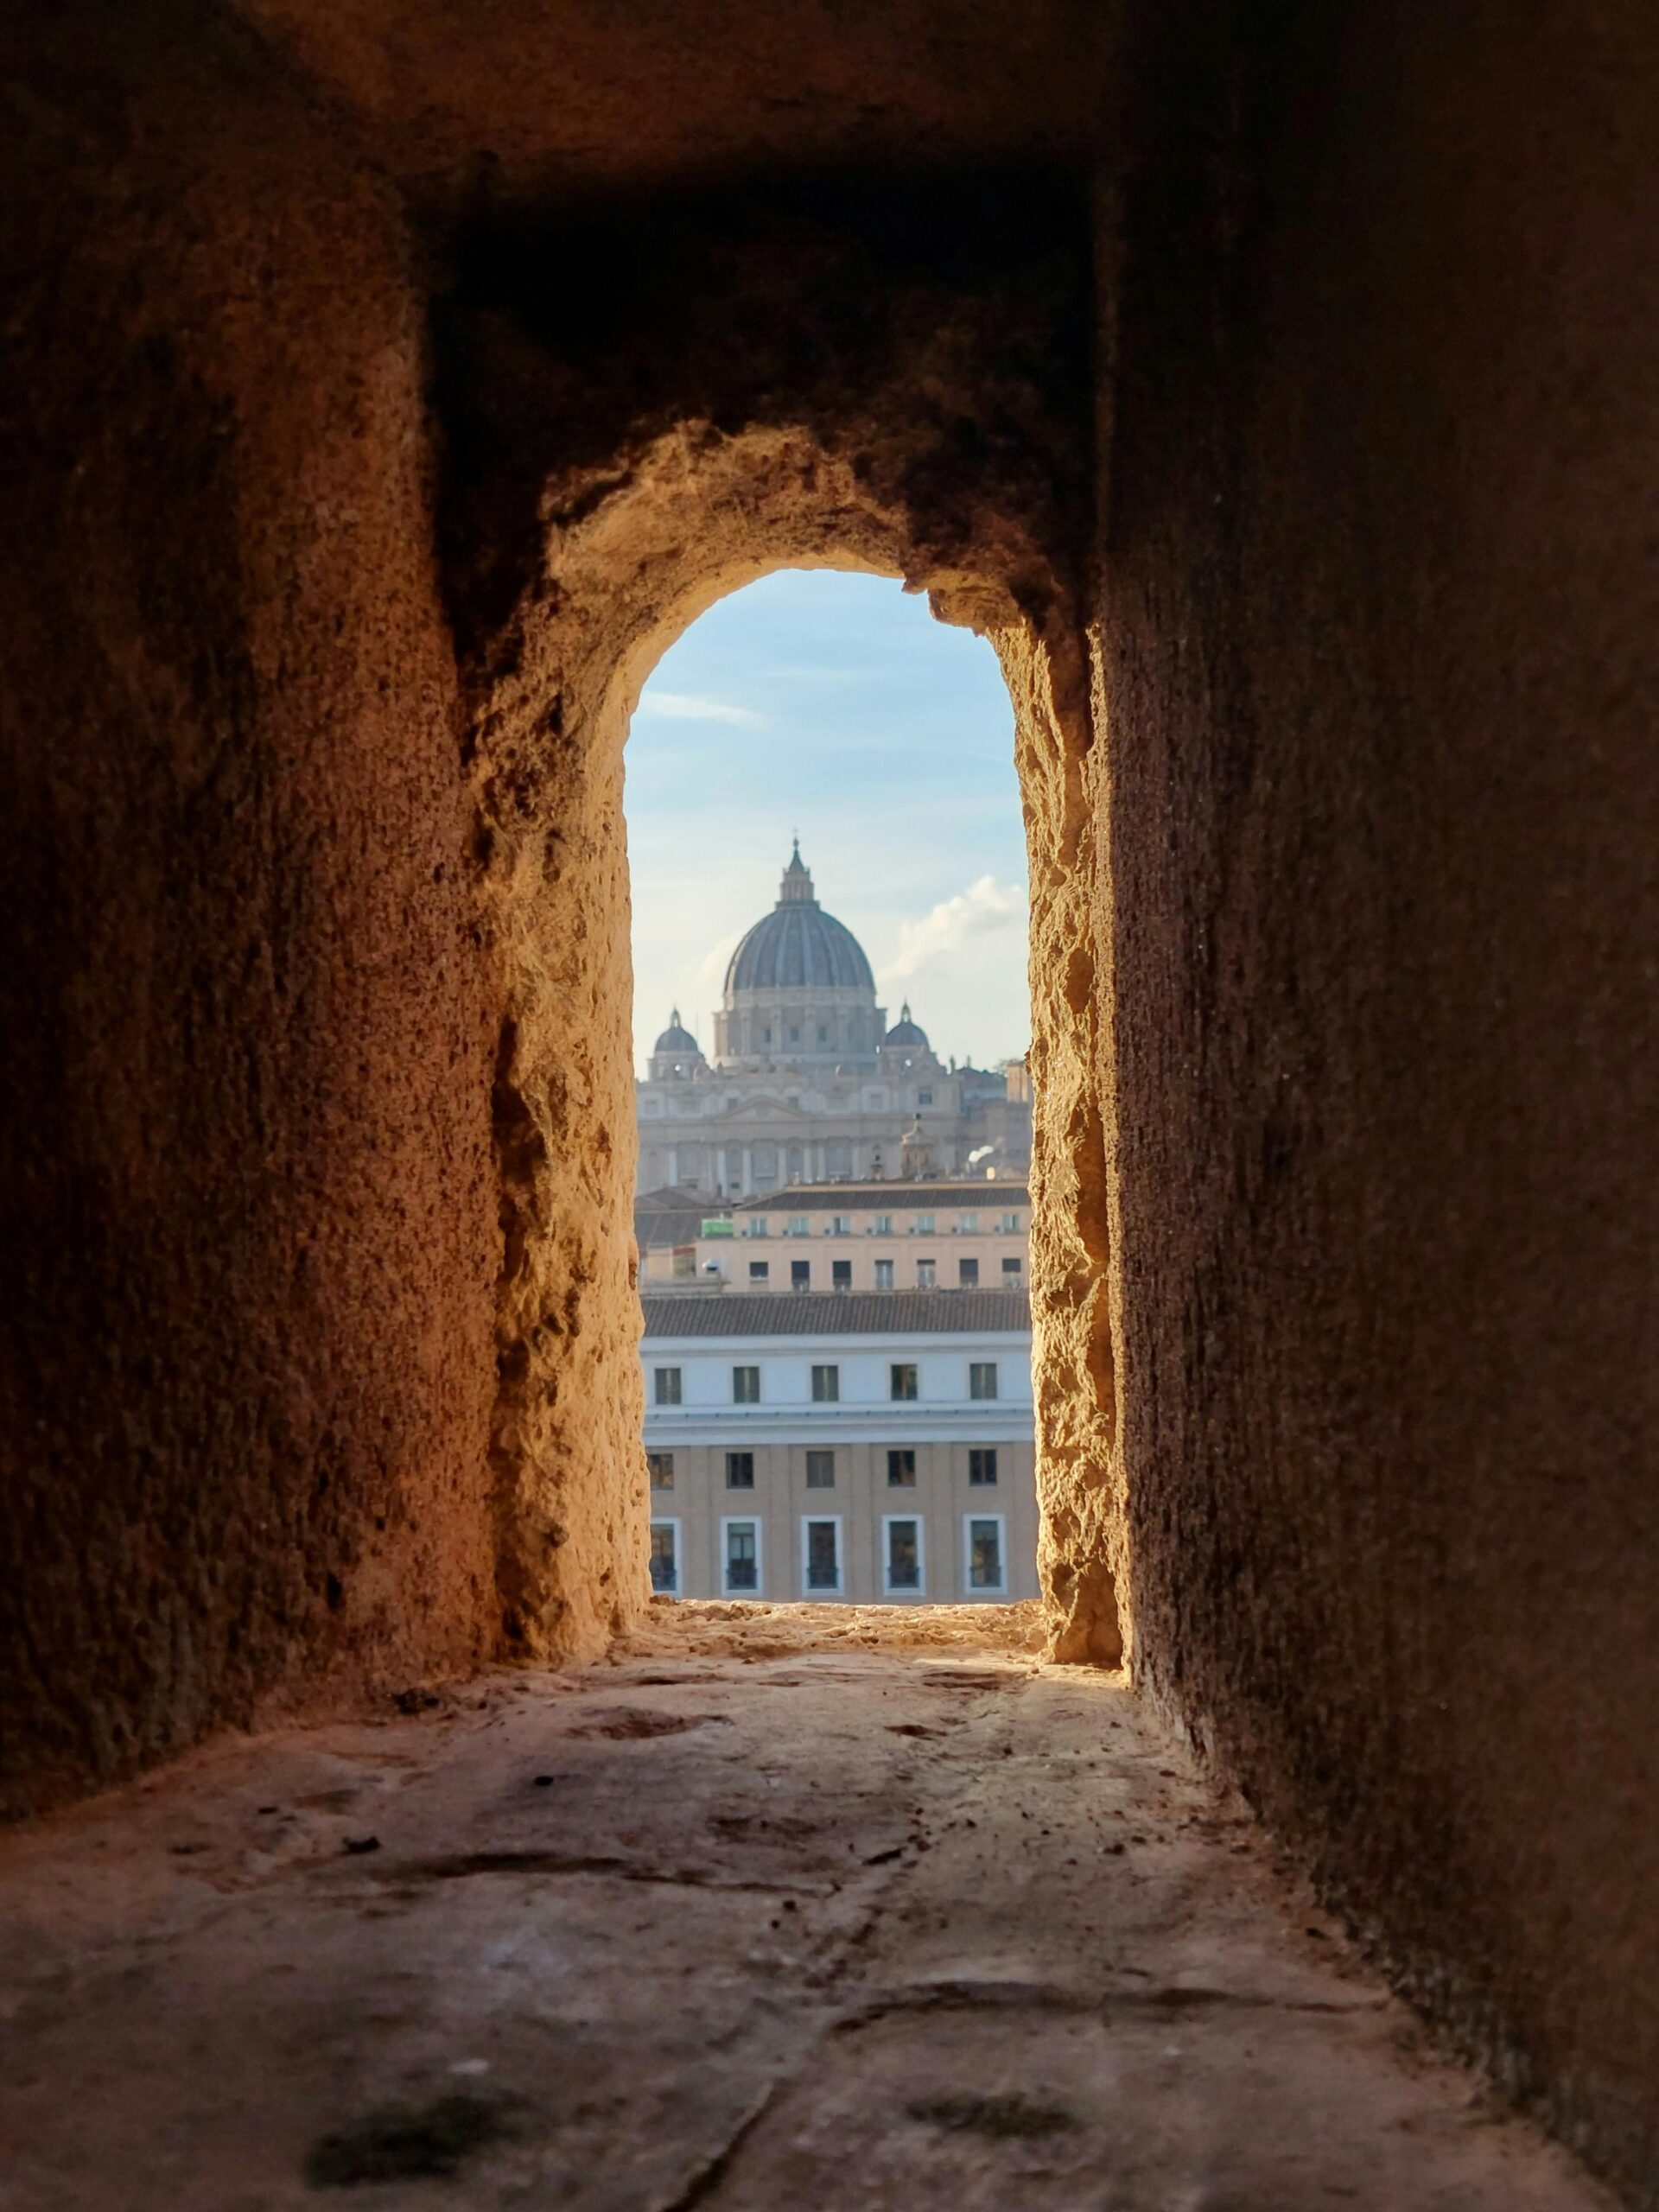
x,y
850,1314
887,1197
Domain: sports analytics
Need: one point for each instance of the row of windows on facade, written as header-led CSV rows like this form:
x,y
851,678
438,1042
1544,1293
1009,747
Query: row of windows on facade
x,y
841,1224
668,1383
902,1559
821,1469
927,1274
793,1034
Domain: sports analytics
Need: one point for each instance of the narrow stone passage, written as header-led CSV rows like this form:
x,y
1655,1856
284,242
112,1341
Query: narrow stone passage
x,y
744,1921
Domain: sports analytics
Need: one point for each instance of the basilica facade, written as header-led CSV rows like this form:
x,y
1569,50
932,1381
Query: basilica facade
x,y
808,1084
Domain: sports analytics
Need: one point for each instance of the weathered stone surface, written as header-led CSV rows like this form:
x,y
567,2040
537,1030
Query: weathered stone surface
x,y
845,389
1380,645
307,1382
718,1927
248,1196
542,100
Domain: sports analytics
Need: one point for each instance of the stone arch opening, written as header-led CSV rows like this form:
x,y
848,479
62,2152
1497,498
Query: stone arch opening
x,y
699,513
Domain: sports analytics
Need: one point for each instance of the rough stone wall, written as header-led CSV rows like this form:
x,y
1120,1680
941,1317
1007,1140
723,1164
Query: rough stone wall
x,y
325,1370
249,1214
1379,628
539,102
1074,1360
848,386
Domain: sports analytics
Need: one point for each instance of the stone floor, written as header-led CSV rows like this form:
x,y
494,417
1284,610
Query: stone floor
x,y
751,1918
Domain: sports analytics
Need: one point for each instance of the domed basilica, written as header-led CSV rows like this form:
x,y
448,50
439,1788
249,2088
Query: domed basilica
x,y
808,1084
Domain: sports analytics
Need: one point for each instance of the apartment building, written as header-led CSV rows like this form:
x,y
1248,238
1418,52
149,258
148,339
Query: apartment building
x,y
964,1234
877,1448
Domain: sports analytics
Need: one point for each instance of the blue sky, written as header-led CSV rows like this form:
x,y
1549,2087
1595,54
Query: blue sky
x,y
834,706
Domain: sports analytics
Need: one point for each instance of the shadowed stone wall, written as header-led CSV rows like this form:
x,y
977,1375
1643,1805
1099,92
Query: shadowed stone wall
x,y
248,1210
1380,645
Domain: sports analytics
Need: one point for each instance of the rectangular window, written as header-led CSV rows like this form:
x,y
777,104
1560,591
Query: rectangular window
x,y
739,1550
820,1554
841,1224
758,1227
797,1225
901,1469
665,1558
983,1540
820,1471
901,1555
662,1468
667,1382
968,1274
982,1378
800,1275
981,1467
1011,1225
884,1224
746,1386
901,1380
884,1274
826,1386
924,1098
740,1471
968,1224
927,1274
759,1270
1011,1268
841,1274
923,1225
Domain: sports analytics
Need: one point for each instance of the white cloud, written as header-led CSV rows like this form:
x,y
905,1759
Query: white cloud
x,y
711,969
988,906
697,707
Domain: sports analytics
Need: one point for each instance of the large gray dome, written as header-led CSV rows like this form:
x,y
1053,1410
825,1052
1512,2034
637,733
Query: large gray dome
x,y
797,945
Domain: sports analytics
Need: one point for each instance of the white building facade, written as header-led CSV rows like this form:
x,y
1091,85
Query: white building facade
x,y
876,1449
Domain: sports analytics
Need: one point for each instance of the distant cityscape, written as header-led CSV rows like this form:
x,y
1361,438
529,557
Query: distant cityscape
x,y
833,1239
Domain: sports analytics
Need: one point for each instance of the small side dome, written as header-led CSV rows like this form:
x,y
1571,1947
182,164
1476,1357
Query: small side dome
x,y
674,1038
905,1032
